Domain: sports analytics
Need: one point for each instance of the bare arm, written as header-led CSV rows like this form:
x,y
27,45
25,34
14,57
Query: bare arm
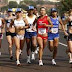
x,y
50,23
3,25
35,21
49,20
12,23
26,23
62,25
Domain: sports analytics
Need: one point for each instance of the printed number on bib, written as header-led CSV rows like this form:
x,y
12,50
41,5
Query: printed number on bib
x,y
42,30
54,30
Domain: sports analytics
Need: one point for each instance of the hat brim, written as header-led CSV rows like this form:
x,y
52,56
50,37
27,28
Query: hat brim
x,y
18,11
54,11
10,11
31,9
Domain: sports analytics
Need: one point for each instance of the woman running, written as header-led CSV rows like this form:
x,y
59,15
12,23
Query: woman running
x,y
10,32
42,29
30,35
69,36
53,34
2,30
20,25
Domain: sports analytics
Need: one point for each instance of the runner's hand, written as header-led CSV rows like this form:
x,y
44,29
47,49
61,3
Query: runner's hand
x,y
45,24
34,28
66,33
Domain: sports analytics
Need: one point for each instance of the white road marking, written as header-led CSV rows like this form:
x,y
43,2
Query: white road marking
x,y
63,44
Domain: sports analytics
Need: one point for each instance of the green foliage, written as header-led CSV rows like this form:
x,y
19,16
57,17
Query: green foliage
x,y
65,5
13,4
4,8
25,3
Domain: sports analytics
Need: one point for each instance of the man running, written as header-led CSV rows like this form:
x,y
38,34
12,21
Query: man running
x,y
20,25
53,34
10,32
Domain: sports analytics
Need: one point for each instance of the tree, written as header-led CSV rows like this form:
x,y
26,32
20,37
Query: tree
x,y
6,1
64,6
13,4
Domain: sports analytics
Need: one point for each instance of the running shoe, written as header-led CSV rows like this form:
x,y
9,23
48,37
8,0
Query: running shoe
x,y
33,56
37,50
28,60
0,53
53,62
40,63
18,63
20,52
70,61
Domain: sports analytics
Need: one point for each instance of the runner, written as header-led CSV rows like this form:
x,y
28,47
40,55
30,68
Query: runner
x,y
53,34
2,30
10,32
20,25
69,36
42,29
30,35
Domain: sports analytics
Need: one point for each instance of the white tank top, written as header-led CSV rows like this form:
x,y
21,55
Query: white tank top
x,y
0,23
19,23
30,22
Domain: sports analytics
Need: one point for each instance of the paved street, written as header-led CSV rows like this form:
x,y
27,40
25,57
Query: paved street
x,y
62,60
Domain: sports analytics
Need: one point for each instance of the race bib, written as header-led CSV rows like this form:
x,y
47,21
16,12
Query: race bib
x,y
54,30
41,30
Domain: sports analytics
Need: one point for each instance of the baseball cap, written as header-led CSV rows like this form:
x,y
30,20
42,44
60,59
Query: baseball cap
x,y
18,10
10,10
53,10
30,7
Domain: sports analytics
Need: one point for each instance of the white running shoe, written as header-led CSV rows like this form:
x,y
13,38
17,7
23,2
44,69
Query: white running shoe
x,y
40,63
18,63
70,61
33,56
37,50
20,52
53,62
0,53
28,60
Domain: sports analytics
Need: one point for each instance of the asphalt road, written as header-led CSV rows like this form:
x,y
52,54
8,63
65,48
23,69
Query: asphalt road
x,y
10,66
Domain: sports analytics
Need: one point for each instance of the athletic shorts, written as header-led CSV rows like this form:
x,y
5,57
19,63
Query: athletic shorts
x,y
52,36
10,34
44,38
21,37
69,38
1,36
30,34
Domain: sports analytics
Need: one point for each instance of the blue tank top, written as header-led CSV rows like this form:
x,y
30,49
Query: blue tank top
x,y
55,23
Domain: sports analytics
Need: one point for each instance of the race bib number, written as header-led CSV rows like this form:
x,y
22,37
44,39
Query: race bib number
x,y
54,30
42,30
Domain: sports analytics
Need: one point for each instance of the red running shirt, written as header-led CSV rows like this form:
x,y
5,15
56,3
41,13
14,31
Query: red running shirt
x,y
41,29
